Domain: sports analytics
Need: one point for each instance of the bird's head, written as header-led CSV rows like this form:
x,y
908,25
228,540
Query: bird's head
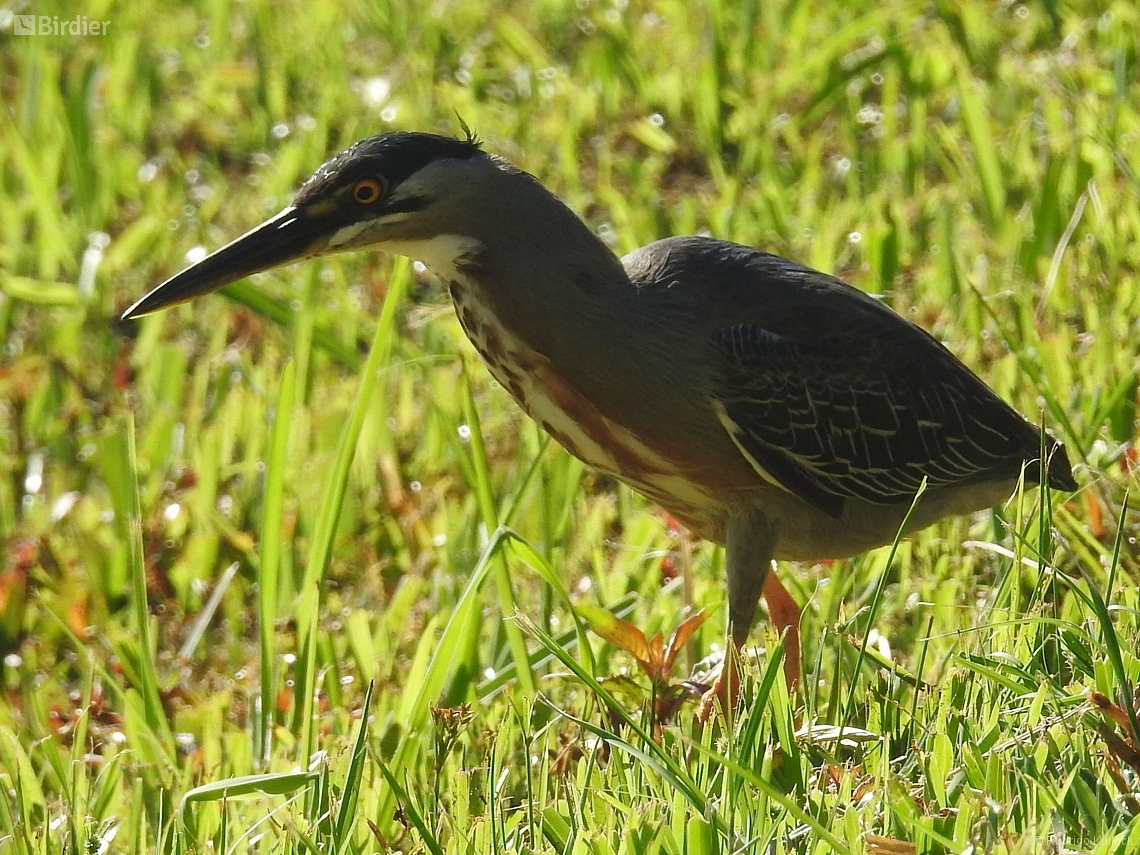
x,y
397,191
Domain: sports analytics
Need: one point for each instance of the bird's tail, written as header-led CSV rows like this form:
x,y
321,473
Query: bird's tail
x,y
1058,469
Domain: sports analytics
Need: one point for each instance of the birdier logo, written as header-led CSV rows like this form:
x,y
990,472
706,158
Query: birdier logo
x,y
50,25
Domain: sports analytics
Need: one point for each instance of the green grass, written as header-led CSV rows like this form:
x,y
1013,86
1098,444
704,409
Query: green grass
x,y
975,163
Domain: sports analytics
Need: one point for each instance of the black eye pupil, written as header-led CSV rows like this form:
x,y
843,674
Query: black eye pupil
x,y
366,192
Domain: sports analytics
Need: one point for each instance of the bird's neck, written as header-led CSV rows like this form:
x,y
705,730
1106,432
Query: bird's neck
x,y
545,274
527,276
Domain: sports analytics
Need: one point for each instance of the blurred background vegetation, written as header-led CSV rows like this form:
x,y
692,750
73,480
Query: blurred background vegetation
x,y
220,524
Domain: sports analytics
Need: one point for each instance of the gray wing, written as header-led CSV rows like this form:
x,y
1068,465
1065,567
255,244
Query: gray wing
x,y
828,392
838,417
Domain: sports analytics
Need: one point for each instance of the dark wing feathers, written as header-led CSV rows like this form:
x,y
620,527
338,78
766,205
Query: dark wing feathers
x,y
832,394
856,417
829,392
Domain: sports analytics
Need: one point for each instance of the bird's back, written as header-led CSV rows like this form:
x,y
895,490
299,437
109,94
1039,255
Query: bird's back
x,y
828,393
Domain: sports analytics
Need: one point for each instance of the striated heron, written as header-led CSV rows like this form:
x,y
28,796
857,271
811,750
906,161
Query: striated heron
x,y
771,408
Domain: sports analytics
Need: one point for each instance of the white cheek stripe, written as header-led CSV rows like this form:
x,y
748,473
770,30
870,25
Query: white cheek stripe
x,y
346,233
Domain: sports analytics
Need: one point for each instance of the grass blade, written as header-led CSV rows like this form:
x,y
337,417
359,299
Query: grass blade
x,y
121,473
350,792
267,572
482,486
333,500
985,147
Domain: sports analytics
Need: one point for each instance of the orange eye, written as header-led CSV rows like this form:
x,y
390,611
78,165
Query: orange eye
x,y
367,190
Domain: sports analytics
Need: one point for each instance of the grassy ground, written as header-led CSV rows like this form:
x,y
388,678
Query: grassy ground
x,y
221,524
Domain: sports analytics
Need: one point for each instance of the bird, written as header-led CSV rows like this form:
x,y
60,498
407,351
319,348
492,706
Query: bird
x,y
769,407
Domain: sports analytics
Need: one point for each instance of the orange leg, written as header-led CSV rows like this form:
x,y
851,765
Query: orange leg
x,y
785,616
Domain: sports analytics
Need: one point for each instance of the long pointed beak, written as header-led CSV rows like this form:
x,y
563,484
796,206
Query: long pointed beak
x,y
287,236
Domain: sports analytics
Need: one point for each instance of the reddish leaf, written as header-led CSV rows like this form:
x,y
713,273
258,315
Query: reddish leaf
x,y
877,845
1109,709
653,663
681,636
616,631
1096,518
